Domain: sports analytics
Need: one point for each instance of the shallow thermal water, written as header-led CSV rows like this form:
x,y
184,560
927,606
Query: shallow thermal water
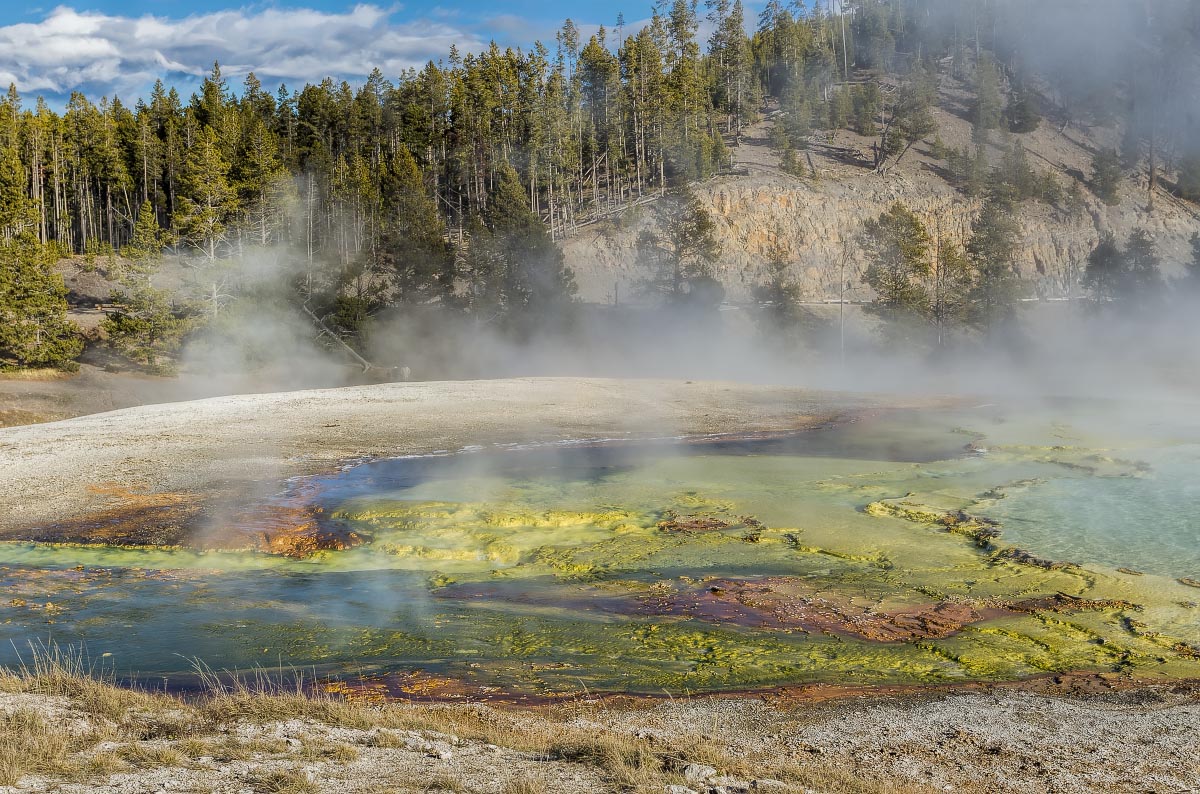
x,y
826,557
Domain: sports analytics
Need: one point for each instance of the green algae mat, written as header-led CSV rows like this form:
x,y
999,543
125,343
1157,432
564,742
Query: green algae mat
x,y
990,543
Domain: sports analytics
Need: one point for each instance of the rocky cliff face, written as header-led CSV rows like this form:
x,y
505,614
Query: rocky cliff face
x,y
817,221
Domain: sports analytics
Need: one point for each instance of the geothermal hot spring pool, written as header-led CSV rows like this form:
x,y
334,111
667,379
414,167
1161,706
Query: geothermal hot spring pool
x,y
982,543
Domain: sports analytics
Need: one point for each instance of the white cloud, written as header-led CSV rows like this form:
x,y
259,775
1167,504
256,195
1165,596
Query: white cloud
x,y
102,54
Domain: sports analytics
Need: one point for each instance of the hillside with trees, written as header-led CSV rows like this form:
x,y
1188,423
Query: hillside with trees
x,y
503,189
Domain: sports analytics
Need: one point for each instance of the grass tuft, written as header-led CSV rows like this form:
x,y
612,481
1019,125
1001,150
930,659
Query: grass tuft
x,y
29,745
332,752
151,757
442,783
104,764
282,781
522,785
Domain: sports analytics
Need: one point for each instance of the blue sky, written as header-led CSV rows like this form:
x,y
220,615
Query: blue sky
x,y
172,8
107,47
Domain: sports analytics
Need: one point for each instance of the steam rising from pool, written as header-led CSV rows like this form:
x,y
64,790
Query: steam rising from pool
x,y
980,544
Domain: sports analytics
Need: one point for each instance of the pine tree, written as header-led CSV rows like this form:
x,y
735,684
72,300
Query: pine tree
x,y
1024,111
977,172
782,319
207,200
730,51
1143,281
681,254
865,100
841,108
147,242
1104,275
1014,178
992,249
34,329
1189,176
910,122
988,102
798,113
1106,175
17,215
1131,145
897,249
414,254
534,278
950,299
144,326
264,187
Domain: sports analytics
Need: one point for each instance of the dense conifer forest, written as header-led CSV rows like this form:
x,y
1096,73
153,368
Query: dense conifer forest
x,y
450,186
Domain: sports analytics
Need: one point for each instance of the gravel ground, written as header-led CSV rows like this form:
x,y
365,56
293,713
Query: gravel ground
x,y
1003,739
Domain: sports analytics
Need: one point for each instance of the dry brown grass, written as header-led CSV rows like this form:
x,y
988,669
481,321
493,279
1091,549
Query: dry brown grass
x,y
15,417
442,783
387,740
104,764
29,745
333,752
67,674
157,730
522,785
149,756
282,781
34,374
833,780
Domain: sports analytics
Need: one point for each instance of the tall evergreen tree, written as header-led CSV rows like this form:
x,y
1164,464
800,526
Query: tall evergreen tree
x,y
533,278
897,247
207,199
414,253
729,49
782,319
1106,175
953,280
992,249
147,241
264,188
1143,281
34,329
1105,272
989,103
681,254
1024,111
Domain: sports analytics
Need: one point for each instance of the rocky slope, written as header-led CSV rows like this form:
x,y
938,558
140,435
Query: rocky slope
x,y
817,220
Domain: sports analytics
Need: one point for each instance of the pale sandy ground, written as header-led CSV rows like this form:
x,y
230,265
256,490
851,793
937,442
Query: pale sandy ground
x,y
51,472
1003,739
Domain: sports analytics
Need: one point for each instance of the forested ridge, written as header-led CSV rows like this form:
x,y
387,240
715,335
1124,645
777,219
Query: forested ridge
x,y
449,186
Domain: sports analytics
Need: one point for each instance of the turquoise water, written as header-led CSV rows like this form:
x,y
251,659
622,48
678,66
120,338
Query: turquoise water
x,y
683,567
1149,523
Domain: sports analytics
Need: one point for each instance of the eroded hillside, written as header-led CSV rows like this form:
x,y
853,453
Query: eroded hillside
x,y
816,220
